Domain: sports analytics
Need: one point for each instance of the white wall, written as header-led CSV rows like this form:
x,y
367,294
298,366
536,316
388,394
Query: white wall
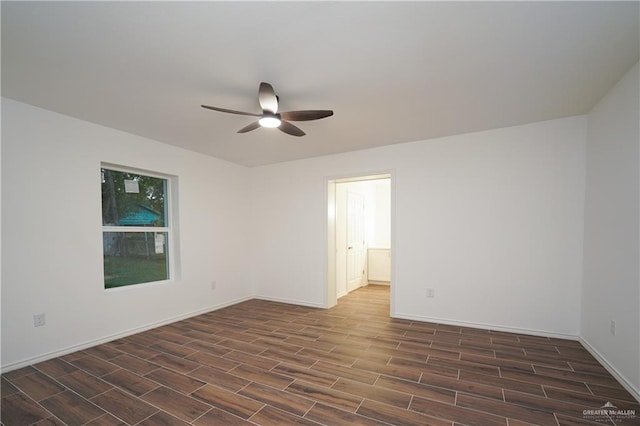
x,y
381,205
52,241
495,217
611,288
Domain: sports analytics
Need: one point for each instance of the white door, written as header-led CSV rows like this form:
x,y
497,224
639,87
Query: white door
x,y
355,240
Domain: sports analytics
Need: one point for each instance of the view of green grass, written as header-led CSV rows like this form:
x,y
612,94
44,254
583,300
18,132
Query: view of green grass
x,y
121,271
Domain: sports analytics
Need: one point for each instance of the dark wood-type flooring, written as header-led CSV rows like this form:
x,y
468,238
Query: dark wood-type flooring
x,y
268,363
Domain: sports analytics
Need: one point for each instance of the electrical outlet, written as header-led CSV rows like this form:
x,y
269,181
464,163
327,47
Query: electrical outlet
x,y
612,327
431,292
213,285
39,320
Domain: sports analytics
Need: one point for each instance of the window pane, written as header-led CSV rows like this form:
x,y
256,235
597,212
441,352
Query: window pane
x,y
134,258
130,199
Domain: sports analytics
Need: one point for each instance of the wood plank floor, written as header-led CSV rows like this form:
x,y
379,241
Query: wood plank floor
x,y
270,363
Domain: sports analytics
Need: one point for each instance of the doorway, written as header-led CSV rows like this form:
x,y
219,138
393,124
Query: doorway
x,y
359,234
355,239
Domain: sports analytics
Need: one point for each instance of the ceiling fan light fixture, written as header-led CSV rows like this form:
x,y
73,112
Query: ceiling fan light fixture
x,y
269,121
271,118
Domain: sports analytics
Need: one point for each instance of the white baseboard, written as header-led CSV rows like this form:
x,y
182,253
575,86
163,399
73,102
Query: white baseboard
x,y
374,282
105,339
290,301
517,330
611,369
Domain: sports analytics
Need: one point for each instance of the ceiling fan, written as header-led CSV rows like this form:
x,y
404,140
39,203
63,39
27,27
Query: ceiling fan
x,y
270,116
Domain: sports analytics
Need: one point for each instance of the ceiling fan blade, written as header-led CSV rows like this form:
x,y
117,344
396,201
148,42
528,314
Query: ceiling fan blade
x,y
249,128
290,129
231,111
267,98
306,115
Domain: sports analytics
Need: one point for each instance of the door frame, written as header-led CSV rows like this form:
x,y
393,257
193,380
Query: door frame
x,y
329,215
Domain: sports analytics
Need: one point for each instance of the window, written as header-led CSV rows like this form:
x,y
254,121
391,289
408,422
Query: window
x,y
136,232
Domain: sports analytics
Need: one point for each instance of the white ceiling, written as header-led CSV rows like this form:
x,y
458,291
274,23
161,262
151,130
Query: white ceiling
x,y
392,72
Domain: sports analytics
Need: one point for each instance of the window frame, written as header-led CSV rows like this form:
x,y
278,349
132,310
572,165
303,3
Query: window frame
x,y
168,228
